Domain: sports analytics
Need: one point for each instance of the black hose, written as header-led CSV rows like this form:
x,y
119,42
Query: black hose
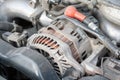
x,y
37,68
6,26
10,27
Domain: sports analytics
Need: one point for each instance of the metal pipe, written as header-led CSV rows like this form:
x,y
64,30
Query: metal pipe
x,y
109,28
18,8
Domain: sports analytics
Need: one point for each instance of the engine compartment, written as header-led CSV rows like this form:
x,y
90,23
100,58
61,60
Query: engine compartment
x,y
60,39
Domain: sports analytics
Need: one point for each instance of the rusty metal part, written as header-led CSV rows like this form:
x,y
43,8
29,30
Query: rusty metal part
x,y
66,44
72,38
90,64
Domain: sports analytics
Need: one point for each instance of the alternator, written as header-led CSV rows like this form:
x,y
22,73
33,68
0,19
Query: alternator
x,y
63,44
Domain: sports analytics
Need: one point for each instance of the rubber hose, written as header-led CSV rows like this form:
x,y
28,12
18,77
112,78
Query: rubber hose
x,y
6,26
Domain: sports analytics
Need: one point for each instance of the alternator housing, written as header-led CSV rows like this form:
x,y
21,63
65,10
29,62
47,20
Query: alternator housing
x,y
63,44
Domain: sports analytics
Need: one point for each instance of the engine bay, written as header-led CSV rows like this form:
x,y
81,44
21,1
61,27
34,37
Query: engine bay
x,y
59,40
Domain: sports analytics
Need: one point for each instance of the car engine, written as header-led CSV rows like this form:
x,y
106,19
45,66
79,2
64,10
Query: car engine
x,y
59,40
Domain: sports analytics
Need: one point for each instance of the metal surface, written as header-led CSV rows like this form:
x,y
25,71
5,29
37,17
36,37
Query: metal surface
x,y
90,64
98,33
64,48
109,18
63,41
110,29
18,8
44,19
111,68
110,9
